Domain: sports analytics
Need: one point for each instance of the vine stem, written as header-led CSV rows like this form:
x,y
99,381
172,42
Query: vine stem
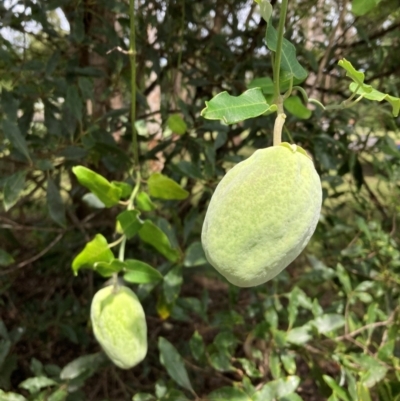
x,y
132,57
278,99
278,53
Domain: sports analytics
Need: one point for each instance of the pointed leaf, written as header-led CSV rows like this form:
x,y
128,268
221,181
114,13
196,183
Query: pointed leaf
x,y
106,269
144,203
176,124
351,72
12,189
295,106
55,203
126,189
195,255
108,193
289,61
153,236
5,258
130,222
173,363
337,390
265,9
95,251
93,201
232,109
161,186
267,85
11,396
139,272
58,395
328,322
35,384
83,364
172,284
13,134
372,94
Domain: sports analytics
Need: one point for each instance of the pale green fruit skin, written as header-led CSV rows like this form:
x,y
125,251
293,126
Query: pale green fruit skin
x,y
262,215
119,325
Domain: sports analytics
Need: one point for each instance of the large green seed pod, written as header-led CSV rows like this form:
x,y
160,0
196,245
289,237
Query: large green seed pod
x,y
119,325
262,215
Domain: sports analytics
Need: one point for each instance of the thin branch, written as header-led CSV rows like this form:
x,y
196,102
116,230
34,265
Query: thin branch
x,y
33,258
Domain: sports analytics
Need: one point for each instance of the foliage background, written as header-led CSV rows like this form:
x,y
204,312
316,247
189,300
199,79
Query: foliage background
x,y
325,328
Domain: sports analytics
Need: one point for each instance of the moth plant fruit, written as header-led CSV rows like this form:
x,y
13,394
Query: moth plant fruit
x,y
119,325
262,215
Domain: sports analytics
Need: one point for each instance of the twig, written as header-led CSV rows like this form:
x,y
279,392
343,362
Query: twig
x,y
366,327
33,258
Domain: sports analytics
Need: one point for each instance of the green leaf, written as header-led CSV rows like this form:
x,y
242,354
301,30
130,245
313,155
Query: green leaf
x,y
126,189
176,124
351,72
295,106
108,193
55,203
144,203
363,392
106,269
344,278
139,272
5,258
361,7
289,61
228,393
12,189
195,255
152,235
289,363
162,187
368,91
328,322
265,9
337,390
190,169
267,85
82,365
372,94
277,389
93,201
13,134
59,395
5,346
95,251
11,396
130,222
172,284
299,335
197,347
173,363
35,384
232,109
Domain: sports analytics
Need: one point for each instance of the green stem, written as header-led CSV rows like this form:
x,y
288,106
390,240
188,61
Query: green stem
x,y
121,252
135,190
278,53
132,56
